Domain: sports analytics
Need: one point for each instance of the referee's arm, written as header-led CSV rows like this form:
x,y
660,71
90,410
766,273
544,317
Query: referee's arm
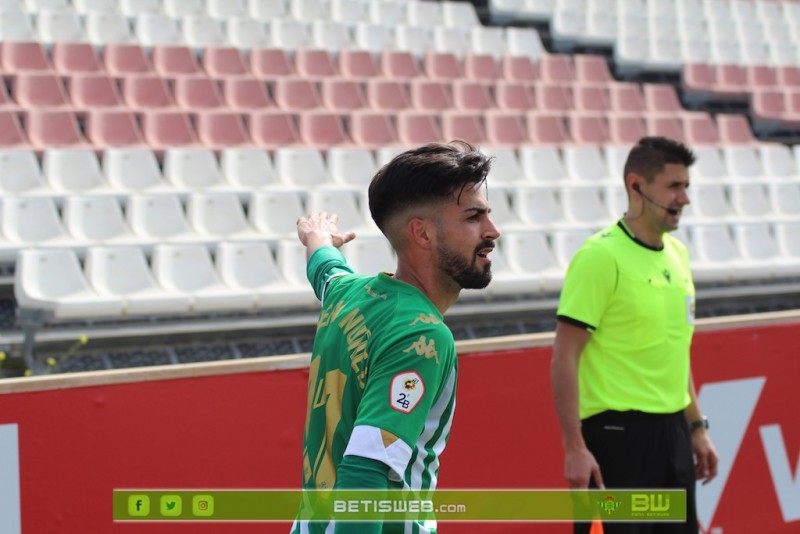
x,y
579,463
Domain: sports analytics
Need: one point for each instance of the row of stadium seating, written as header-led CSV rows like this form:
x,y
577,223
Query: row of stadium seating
x,y
122,171
242,276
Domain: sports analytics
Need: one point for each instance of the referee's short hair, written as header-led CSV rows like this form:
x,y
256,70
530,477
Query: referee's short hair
x,y
651,154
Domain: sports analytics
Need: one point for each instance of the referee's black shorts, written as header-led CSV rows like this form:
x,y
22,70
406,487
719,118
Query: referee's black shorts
x,y
643,450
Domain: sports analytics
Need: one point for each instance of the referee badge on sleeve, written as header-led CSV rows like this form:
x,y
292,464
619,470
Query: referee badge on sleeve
x,y
406,391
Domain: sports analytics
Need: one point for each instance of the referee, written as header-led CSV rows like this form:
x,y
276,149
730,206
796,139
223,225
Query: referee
x,y
622,383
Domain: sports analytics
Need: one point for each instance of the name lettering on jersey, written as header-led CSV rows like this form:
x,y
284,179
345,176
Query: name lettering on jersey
x,y
407,390
357,335
424,348
371,293
329,314
426,319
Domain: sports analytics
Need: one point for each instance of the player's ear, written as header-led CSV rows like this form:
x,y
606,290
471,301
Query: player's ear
x,y
420,231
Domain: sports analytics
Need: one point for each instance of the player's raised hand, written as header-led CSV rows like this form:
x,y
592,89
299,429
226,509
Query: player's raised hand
x,y
320,229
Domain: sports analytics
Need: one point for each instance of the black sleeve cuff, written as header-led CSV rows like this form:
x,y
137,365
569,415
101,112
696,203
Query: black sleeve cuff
x,y
575,322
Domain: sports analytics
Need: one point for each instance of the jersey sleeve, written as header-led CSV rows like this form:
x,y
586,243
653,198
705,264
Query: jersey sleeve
x,y
323,265
403,383
590,281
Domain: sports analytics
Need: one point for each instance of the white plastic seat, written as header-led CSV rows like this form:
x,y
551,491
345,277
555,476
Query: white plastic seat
x,y
59,26
103,28
189,269
709,201
159,218
538,205
308,10
542,164
425,13
291,259
349,12
275,212
156,29
52,280
200,31
98,220
330,35
529,252
760,252
351,167
252,267
787,235
246,33
615,157
778,161
133,8
743,162
227,9
192,169
248,168
750,199
716,255
266,10
219,215
289,34
341,202
385,154
372,37
17,26
73,171
586,164
459,15
506,281
302,167
95,6
488,40
503,215
616,200
583,204
180,9
134,169
370,255
709,164
784,198
566,242
31,221
123,272
451,40
20,174
524,42
414,39
506,168
388,14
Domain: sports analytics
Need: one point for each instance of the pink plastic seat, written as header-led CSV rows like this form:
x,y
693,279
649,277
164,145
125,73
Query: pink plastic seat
x,y
592,69
430,94
731,82
417,128
197,92
224,61
556,68
272,129
547,128
473,95
788,76
588,128
174,60
482,67
591,98
505,128
358,64
442,66
296,94
167,128
75,57
735,129
314,63
466,125
399,64
514,95
761,76
322,129
11,133
50,128
626,97
147,91
122,59
552,97
246,93
625,129
383,94
270,63
113,128
661,98
94,90
23,56
698,78
665,126
40,90
519,69
372,129
221,129
699,129
342,94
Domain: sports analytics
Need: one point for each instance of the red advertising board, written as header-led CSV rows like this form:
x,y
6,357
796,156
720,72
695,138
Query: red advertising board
x,y
76,444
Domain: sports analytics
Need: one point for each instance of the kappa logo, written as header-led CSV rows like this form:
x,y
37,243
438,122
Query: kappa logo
x,y
425,319
424,348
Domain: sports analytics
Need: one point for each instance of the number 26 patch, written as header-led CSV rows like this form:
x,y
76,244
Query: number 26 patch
x,y
406,391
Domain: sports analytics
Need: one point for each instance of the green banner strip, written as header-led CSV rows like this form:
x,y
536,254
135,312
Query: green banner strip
x,y
648,505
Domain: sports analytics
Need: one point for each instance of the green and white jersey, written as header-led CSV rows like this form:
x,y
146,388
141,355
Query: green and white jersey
x,y
383,362
639,304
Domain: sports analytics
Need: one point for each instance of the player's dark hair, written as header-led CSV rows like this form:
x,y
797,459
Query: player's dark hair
x,y
651,154
425,175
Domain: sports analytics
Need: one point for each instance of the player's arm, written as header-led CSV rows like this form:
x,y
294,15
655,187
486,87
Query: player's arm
x,y
706,457
579,464
322,239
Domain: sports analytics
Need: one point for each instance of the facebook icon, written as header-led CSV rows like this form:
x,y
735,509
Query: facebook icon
x,y
138,505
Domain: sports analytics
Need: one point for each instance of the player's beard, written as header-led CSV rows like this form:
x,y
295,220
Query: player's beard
x,y
465,273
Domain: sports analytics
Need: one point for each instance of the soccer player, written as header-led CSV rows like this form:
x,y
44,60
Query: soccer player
x,y
621,377
382,379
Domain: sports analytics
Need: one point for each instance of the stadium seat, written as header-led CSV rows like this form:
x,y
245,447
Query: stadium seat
x,y
189,269
40,90
351,167
179,9
154,29
489,40
709,164
372,38
709,201
743,162
399,64
539,206
588,128
97,220
586,164
342,95
529,252
274,212
266,10
524,42
584,205
59,26
472,95
272,129
592,69
289,34
252,267
750,200
197,93
370,254
224,62
665,125
219,216
133,170
556,68
547,128
221,129
248,168
94,90
505,128
450,40
32,222
341,201
735,129
52,280
322,129
246,33
372,129
442,66
174,60
625,129
17,26
246,93
429,94
590,98
167,128
95,6
270,63
192,169
511,95
123,272
50,128
699,129
357,64
314,63
383,94
227,9
758,248
75,57
330,35
417,127
466,125
296,94
146,92
349,12
303,167
122,59
506,169
11,133
519,69
200,31
778,161
566,242
20,174
159,218
113,128
661,98
74,171
553,97
132,8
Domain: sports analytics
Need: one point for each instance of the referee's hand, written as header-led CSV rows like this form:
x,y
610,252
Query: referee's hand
x,y
580,467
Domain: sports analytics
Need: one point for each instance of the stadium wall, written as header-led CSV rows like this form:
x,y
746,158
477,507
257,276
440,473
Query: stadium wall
x,y
67,440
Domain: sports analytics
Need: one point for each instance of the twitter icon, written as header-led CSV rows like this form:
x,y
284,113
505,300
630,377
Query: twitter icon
x,y
171,505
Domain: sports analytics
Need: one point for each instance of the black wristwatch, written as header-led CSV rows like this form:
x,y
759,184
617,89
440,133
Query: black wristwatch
x,y
700,423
